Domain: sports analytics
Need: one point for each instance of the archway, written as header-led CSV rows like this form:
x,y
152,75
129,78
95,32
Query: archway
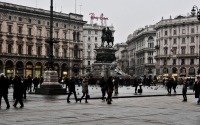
x,y
191,72
174,70
9,67
38,69
19,68
64,70
183,72
29,69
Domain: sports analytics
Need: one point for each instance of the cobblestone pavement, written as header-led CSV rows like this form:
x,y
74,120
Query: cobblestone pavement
x,y
54,110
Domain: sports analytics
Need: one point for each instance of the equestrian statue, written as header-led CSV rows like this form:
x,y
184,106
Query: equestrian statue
x,y
107,36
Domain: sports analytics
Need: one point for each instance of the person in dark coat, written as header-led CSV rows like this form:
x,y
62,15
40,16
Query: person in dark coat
x,y
184,91
103,88
30,83
4,85
175,82
197,89
109,89
25,87
66,82
35,83
169,85
136,83
41,80
72,89
116,85
19,92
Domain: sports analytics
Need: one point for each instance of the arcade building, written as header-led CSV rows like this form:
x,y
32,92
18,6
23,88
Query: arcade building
x,y
23,47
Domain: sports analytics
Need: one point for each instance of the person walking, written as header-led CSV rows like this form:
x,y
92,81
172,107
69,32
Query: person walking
x,y
175,82
197,89
19,92
25,87
169,85
4,85
109,89
116,85
136,83
72,89
85,89
103,88
30,83
184,91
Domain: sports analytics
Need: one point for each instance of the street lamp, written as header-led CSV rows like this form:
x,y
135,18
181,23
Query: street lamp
x,y
193,12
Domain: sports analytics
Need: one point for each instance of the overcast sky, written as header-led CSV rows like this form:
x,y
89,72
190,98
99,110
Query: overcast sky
x,y
125,15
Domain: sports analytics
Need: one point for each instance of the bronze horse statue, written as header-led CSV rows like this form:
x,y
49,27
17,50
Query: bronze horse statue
x,y
107,36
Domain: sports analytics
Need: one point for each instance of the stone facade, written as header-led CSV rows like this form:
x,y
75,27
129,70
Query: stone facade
x,y
141,51
178,46
23,34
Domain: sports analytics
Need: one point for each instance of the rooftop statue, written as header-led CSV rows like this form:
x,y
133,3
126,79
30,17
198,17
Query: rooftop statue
x,y
107,36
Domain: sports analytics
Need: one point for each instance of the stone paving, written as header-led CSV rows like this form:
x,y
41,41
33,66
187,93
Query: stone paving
x,y
54,110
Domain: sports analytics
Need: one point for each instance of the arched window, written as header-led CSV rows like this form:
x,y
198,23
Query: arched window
x,y
165,50
47,50
9,48
65,53
20,49
78,36
165,70
192,71
174,70
29,50
150,42
39,50
75,51
74,36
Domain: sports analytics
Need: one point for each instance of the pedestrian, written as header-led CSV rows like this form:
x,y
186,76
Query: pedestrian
x,y
136,80
175,82
197,89
116,85
35,83
72,89
41,80
25,87
66,82
85,89
169,85
184,91
19,92
30,83
109,89
103,88
4,85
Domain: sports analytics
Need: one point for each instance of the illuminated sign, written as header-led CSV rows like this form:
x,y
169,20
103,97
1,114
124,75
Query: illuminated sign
x,y
95,17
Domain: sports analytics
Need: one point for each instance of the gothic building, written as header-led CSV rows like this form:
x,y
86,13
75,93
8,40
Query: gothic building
x,y
23,35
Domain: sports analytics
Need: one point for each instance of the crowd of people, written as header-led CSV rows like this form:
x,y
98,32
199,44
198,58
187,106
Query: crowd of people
x,y
28,84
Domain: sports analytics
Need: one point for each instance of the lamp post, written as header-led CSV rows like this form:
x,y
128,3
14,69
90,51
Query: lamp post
x,y
50,86
51,40
193,12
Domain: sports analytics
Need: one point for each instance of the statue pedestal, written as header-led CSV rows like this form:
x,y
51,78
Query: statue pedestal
x,y
104,66
50,86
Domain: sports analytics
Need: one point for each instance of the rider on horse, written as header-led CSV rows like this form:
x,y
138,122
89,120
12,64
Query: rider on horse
x,y
107,36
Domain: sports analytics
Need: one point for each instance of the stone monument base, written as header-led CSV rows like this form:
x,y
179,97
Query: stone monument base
x,y
50,86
